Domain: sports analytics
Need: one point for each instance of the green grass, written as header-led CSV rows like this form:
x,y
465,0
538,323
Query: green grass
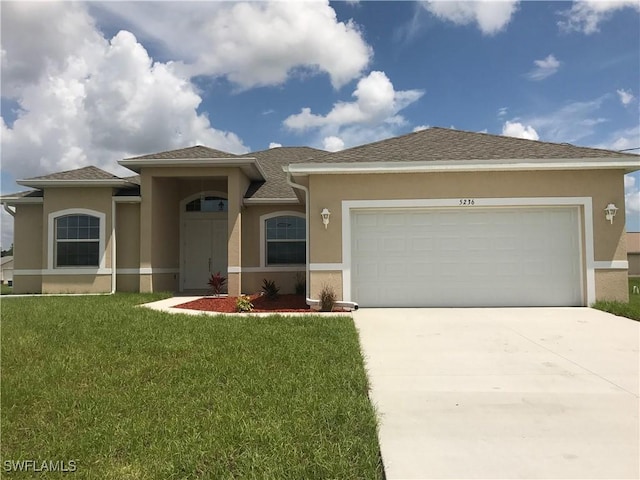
x,y
5,289
129,393
629,310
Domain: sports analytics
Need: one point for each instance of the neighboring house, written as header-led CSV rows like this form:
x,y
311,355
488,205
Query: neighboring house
x,y
6,270
434,218
633,253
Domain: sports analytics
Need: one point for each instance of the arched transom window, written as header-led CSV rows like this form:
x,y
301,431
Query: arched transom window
x,y
208,203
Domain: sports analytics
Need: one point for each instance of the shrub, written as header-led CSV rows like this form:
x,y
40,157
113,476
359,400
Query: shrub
x,y
300,284
327,298
243,304
270,289
217,283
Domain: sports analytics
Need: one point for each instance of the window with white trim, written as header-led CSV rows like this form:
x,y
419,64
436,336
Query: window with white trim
x,y
208,203
285,238
77,241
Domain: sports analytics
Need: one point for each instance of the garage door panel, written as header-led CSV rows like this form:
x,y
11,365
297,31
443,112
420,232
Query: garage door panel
x,y
466,257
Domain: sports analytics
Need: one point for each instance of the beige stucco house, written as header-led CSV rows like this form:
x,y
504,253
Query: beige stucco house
x,y
6,270
434,218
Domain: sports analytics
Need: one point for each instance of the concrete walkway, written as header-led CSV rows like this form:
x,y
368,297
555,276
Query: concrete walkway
x,y
504,393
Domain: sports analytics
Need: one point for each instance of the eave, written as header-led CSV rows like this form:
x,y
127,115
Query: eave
x,y
340,168
249,165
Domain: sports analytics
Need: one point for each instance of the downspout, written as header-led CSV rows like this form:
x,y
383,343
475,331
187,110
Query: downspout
x,y
310,301
113,245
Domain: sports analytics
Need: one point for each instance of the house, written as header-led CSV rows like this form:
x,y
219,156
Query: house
x,y
6,270
434,218
633,253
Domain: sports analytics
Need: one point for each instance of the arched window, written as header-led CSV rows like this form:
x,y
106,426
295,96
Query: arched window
x,y
285,238
208,203
77,241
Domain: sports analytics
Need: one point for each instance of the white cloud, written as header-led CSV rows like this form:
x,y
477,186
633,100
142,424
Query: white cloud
x,y
490,16
518,130
253,44
274,145
104,101
6,226
570,123
629,181
586,15
373,115
502,111
376,101
624,139
626,97
544,68
420,128
333,144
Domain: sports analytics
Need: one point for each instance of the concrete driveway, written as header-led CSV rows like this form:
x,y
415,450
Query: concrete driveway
x,y
504,393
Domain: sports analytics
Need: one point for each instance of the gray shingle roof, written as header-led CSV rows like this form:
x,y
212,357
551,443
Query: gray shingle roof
x,y
432,144
84,173
197,151
444,144
271,161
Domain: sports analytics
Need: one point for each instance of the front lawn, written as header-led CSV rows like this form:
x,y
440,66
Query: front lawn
x,y
5,289
629,310
127,392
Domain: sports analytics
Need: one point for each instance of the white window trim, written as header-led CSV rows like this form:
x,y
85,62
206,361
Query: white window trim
x,y
263,240
585,220
51,239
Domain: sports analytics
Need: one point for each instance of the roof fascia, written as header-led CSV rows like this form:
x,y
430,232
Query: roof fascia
x,y
21,200
247,164
303,169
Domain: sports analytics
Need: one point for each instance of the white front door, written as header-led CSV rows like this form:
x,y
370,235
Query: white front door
x,y
204,250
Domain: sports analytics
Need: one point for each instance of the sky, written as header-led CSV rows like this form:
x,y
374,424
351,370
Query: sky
x,y
92,83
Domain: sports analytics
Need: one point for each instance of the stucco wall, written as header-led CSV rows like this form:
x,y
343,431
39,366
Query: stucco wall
x,y
28,238
127,235
252,281
328,191
612,285
76,284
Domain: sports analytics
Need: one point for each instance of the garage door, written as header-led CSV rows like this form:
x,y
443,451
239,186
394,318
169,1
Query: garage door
x,y
466,257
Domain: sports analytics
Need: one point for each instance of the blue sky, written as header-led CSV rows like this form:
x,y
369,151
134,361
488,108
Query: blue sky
x,y
91,83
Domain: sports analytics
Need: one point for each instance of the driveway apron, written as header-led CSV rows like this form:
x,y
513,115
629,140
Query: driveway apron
x,y
504,393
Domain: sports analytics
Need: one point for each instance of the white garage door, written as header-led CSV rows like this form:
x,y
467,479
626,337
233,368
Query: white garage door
x,y
466,257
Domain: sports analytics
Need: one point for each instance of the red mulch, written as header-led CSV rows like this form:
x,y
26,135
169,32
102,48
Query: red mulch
x,y
284,303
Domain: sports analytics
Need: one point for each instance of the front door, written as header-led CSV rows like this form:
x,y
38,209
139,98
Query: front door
x,y
205,250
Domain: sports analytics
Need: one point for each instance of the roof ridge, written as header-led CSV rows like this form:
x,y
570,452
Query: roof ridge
x,y
88,167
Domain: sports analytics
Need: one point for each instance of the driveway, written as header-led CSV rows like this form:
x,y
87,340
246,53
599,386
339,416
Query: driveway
x,y
504,393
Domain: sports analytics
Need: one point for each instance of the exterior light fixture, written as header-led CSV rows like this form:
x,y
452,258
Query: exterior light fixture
x,y
325,216
610,212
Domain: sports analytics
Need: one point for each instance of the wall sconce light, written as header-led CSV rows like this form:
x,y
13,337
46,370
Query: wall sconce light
x,y
325,216
610,212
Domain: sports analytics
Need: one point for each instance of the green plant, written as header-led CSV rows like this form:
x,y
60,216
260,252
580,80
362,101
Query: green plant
x,y
243,304
217,283
270,289
327,298
300,285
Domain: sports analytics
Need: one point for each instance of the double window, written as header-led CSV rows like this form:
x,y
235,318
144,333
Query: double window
x,y
77,241
285,237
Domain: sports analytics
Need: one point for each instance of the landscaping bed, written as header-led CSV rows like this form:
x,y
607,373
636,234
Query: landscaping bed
x,y
261,304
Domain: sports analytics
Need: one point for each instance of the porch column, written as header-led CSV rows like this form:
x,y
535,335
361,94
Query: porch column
x,y
235,193
146,237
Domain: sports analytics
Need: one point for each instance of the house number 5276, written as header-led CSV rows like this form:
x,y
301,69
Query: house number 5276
x,y
467,201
